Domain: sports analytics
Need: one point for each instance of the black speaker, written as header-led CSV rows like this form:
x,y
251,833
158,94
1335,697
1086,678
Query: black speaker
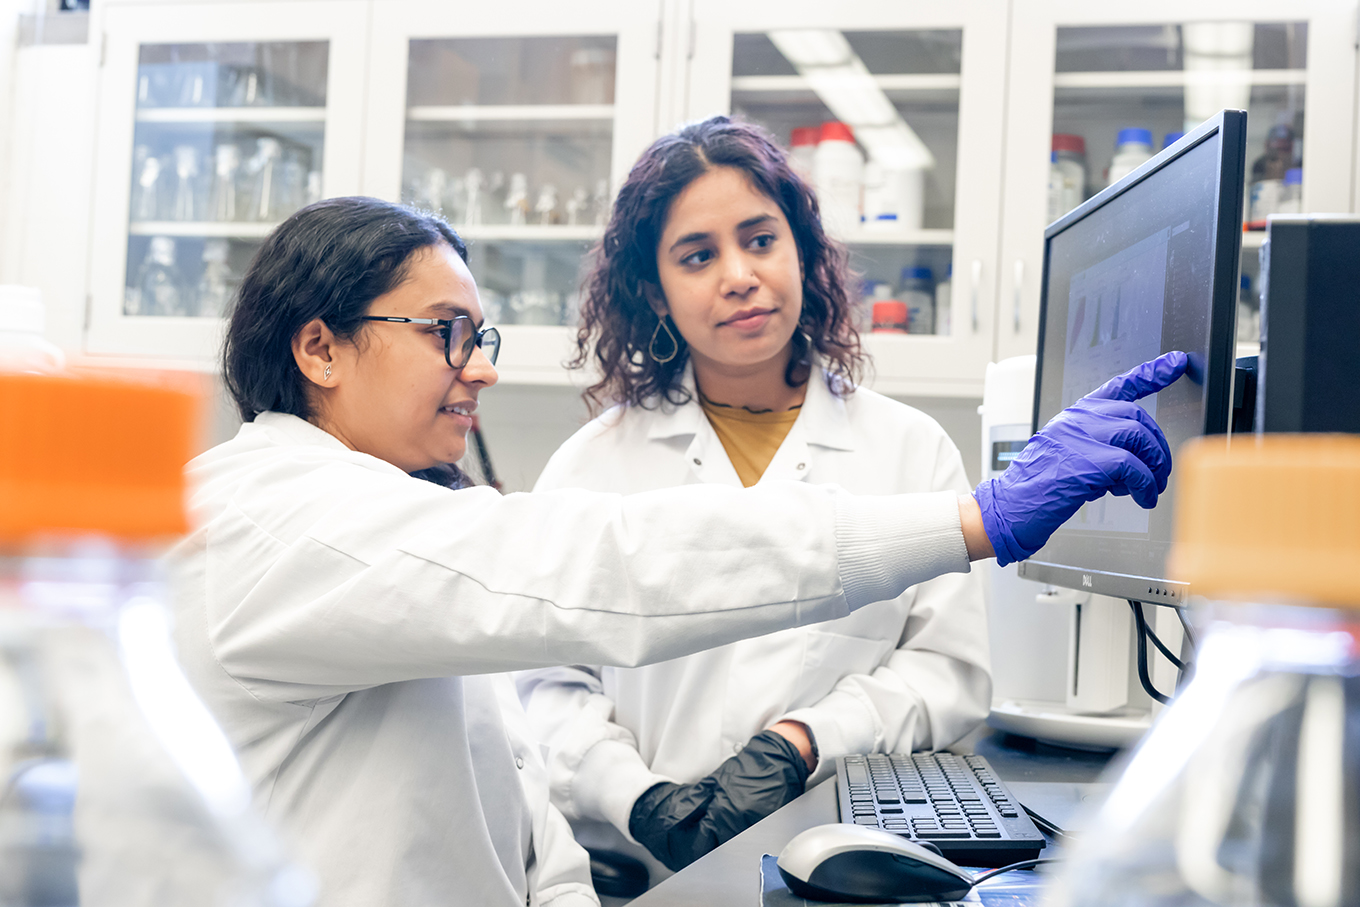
x,y
1309,372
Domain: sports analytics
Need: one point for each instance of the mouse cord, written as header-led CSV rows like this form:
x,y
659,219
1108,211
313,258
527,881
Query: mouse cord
x,y
1023,864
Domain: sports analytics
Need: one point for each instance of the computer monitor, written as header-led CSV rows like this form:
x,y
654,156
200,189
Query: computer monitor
x,y
1147,266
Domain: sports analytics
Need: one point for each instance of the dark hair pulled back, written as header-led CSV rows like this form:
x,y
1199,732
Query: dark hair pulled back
x,y
330,260
617,322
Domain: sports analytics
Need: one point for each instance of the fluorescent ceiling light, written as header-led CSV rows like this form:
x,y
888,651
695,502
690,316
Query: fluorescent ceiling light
x,y
844,84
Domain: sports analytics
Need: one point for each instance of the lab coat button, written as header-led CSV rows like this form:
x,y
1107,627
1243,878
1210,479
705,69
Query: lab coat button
x,y
698,462
519,762
736,747
802,466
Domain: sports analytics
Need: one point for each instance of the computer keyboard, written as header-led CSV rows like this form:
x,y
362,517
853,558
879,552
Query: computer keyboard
x,y
955,802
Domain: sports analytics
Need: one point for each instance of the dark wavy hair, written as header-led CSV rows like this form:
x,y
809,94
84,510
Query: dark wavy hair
x,y
617,323
330,260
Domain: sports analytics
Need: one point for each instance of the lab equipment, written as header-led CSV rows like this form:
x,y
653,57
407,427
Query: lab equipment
x,y
147,186
944,302
1310,325
119,786
890,315
848,862
1243,791
517,200
578,206
1171,138
679,823
216,286
1132,149
1144,267
226,173
956,803
545,209
917,291
803,150
263,172
1104,442
23,318
600,203
1062,670
1067,187
186,185
838,174
159,289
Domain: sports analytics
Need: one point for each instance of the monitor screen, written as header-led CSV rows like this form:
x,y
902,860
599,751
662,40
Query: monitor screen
x,y
1145,267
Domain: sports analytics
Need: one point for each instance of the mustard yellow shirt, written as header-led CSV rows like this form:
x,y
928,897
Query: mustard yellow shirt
x,y
750,439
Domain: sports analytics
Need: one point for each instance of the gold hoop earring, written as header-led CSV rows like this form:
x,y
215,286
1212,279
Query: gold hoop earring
x,y
326,375
675,344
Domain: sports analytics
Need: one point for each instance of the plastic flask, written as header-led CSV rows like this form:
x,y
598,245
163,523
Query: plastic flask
x,y
1132,148
1244,792
838,173
23,319
802,150
917,290
216,286
1068,166
119,788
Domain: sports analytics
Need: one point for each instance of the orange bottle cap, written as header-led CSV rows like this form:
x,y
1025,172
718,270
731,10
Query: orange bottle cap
x,y
1270,518
92,455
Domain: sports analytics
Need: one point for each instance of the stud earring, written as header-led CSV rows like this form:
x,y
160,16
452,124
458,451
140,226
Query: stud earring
x,y
326,375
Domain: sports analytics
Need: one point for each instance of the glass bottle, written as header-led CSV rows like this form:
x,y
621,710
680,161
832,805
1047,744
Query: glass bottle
x,y
263,172
120,788
186,173
545,209
216,286
517,200
1132,149
146,190
160,286
1244,791
226,173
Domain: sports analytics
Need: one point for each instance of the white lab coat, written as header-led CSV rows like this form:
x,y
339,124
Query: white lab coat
x,y
909,673
330,610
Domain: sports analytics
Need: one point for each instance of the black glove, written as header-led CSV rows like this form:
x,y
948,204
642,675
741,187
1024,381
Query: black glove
x,y
679,823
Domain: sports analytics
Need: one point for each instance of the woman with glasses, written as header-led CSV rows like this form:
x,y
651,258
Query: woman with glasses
x,y
344,619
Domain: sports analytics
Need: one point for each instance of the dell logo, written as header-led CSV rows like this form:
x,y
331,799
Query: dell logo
x,y
1086,580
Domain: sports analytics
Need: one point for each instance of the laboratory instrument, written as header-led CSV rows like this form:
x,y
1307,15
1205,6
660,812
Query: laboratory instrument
x,y
1244,791
956,803
849,862
1310,325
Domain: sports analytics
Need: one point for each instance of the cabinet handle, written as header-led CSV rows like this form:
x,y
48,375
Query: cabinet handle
x,y
1019,290
974,289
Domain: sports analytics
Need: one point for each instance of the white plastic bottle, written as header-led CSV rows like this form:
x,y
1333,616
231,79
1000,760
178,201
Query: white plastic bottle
x,y
1132,148
1067,186
838,174
22,322
803,149
944,302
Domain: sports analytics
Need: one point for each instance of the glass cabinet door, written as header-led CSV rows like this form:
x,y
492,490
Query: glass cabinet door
x,y
1122,91
515,133
884,110
227,138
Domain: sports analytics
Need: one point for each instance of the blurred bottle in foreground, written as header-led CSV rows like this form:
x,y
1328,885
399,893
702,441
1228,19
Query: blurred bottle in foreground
x,y
23,319
119,788
1245,792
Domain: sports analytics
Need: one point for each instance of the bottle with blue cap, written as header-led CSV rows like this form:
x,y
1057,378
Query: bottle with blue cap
x,y
1132,148
917,291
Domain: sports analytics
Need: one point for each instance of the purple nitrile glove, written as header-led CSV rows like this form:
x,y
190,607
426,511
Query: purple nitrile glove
x,y
1102,443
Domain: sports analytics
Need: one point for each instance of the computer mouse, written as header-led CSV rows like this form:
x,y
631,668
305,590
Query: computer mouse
x,y
842,862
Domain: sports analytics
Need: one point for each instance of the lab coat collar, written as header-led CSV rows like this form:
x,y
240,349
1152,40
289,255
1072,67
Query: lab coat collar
x,y
824,420
295,431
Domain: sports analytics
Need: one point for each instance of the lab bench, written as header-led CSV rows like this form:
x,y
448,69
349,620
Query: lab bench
x,y
1059,784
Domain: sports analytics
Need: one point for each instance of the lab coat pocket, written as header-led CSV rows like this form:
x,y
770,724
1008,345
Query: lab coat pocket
x,y
827,657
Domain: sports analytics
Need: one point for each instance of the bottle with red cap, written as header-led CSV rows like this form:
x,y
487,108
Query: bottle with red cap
x,y
1067,177
803,148
838,174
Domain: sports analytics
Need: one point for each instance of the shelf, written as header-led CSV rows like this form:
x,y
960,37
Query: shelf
x,y
898,238
231,115
213,228
531,233
905,82
1178,78
473,113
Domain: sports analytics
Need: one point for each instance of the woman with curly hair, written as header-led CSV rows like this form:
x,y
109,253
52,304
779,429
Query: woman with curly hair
x,y
719,317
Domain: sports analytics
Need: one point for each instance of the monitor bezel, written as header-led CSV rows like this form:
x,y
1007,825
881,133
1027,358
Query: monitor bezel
x,y
1231,127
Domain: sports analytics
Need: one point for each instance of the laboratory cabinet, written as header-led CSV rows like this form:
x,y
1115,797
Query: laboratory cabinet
x,y
1085,76
518,121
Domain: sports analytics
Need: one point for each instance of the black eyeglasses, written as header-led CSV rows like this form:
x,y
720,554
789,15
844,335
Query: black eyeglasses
x,y
458,334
